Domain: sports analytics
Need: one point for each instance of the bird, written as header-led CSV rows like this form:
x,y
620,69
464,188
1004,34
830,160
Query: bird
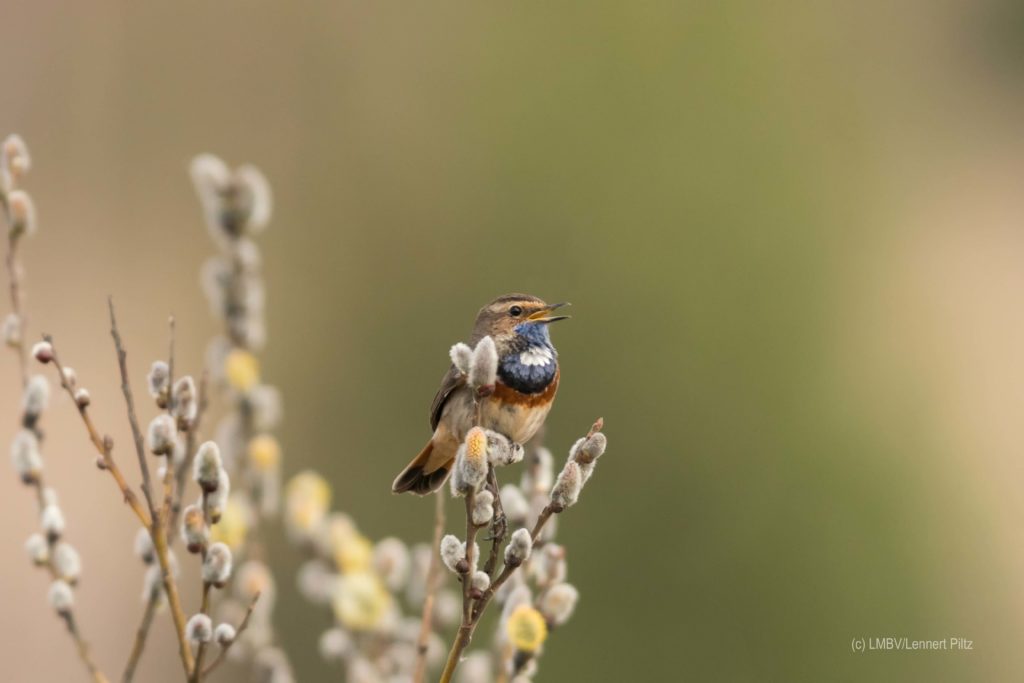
x,y
527,381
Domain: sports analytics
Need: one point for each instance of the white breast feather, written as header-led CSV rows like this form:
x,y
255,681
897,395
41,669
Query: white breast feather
x,y
536,355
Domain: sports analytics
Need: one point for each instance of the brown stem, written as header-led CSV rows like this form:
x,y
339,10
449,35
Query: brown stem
x,y
498,524
140,636
158,532
197,670
83,647
433,574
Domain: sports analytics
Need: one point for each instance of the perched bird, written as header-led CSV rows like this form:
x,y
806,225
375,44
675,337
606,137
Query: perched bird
x,y
525,390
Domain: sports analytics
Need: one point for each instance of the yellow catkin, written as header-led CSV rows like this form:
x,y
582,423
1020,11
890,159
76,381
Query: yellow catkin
x,y
526,628
242,370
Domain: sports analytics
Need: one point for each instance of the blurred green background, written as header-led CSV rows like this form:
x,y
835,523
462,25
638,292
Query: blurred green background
x,y
793,235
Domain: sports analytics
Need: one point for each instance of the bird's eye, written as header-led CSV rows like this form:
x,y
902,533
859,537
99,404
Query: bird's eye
x,y
515,311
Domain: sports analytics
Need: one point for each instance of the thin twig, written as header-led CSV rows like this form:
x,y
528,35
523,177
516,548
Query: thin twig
x,y
238,634
433,574
158,533
141,635
83,647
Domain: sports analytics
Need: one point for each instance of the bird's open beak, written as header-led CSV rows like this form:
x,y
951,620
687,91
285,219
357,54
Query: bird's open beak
x,y
542,316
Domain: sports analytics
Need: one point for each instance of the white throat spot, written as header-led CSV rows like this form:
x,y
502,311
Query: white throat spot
x,y
536,355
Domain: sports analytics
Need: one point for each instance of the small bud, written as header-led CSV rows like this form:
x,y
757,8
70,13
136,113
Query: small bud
x,y
480,581
12,329
28,463
453,551
52,521
156,380
22,212
558,602
14,156
186,404
217,565
61,597
589,449
67,562
70,376
483,370
501,451
519,547
207,467
82,398
566,490
199,629
254,197
143,546
38,549
193,529
42,351
217,501
526,629
36,396
162,432
224,634
483,508
462,357
514,504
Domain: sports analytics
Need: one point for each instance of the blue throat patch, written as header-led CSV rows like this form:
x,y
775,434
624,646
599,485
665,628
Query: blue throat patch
x,y
529,378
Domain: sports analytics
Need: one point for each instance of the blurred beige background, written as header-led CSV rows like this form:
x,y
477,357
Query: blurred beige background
x,y
793,234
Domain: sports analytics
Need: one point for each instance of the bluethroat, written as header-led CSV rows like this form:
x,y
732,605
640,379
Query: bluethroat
x,y
525,390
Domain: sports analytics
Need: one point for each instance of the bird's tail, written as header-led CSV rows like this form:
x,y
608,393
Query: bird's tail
x,y
426,473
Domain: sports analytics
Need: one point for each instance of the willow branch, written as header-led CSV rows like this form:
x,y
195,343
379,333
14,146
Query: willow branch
x,y
238,634
433,574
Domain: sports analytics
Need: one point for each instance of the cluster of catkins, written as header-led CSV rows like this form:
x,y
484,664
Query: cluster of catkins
x,y
532,586
47,548
375,590
236,205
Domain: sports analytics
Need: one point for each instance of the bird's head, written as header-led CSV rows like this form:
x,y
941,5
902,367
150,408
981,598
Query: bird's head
x,y
516,315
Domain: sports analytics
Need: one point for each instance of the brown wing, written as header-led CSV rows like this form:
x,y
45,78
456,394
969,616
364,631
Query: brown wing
x,y
452,381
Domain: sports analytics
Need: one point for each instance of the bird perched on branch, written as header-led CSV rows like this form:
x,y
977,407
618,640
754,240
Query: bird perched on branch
x,y
527,380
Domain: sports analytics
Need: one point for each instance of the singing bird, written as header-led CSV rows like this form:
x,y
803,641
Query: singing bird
x,y
525,390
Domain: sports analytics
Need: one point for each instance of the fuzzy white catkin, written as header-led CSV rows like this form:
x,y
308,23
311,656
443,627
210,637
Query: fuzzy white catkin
x,y
156,380
483,369
22,212
217,565
207,467
255,192
199,629
334,644
566,490
481,581
194,530
472,460
589,449
186,405
14,155
36,396
67,562
483,508
61,596
519,547
162,432
224,634
217,499
453,551
42,351
558,602
52,521
25,455
501,451
462,356
476,668
143,546
391,562
38,549
12,329
513,502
